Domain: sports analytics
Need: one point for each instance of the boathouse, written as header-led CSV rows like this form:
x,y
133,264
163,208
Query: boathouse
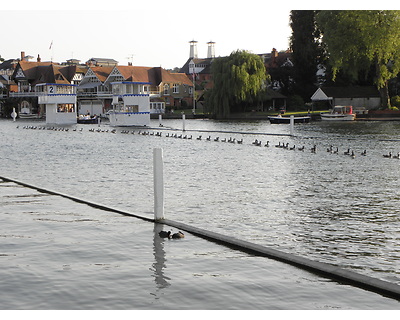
x,y
361,98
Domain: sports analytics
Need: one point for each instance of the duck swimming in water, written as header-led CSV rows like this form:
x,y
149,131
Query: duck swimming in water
x,y
165,234
178,235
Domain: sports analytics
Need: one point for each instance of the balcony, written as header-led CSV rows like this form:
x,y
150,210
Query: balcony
x,y
27,94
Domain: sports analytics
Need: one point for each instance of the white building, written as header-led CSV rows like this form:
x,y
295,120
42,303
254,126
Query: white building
x,y
130,104
59,101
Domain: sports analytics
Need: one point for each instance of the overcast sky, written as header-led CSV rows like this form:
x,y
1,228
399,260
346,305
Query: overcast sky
x,y
148,33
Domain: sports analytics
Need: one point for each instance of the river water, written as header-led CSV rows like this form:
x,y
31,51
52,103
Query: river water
x,y
326,206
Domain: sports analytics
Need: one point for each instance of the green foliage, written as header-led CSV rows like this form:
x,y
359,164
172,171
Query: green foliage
x,y
357,40
307,51
238,79
395,101
295,102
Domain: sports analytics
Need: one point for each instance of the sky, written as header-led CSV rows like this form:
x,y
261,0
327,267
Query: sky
x,y
147,33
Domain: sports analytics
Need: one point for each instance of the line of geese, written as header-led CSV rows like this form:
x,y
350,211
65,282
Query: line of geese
x,y
256,142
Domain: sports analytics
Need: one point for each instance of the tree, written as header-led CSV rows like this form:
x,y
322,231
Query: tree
x,y
360,40
307,51
237,79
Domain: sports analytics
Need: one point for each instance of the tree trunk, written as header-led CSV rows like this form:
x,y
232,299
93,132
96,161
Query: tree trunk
x,y
384,92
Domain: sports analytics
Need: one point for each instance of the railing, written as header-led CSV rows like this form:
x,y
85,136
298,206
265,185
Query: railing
x,y
27,94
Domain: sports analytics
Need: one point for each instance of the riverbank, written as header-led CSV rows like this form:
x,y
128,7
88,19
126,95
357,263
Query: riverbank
x,y
380,115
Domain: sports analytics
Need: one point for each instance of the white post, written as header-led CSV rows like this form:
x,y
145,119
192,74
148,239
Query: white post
x,y
292,125
158,168
183,121
13,114
160,120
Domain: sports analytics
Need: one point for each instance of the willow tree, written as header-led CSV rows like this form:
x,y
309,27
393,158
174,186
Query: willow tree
x,y
358,40
238,79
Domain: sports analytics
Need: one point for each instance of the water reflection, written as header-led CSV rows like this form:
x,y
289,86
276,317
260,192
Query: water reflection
x,y
159,259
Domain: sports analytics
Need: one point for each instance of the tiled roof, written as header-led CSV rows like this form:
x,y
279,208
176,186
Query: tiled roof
x,y
102,73
154,75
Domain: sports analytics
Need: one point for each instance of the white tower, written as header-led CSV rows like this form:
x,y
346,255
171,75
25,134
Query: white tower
x,y
211,49
193,49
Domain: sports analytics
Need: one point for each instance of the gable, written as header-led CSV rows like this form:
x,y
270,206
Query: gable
x,y
19,73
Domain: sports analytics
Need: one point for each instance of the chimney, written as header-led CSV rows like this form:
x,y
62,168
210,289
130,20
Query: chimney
x,y
38,58
22,55
193,49
211,50
274,52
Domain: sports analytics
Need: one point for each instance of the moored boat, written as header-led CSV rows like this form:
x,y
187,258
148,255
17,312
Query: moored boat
x,y
87,119
279,119
339,113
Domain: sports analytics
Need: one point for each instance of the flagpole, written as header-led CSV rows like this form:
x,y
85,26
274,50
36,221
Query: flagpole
x,y
52,51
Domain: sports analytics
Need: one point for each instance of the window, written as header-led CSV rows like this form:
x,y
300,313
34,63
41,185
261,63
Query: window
x,y
166,89
175,88
65,107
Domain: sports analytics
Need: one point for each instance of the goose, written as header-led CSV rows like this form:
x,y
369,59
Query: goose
x,y
178,235
336,151
364,153
216,139
199,138
208,138
292,148
165,234
353,154
389,155
397,156
346,153
223,140
278,145
301,148
240,141
267,144
255,142
190,138
314,149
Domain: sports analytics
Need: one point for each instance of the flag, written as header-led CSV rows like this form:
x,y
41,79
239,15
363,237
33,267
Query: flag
x,y
51,44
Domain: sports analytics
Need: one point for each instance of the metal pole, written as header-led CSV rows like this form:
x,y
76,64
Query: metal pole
x,y
292,125
183,121
158,168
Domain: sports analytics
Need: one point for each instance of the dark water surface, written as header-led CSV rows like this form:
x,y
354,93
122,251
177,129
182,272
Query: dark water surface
x,y
58,254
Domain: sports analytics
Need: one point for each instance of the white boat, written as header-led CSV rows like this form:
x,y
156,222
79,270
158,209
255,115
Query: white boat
x,y
131,104
339,113
279,119
26,114
29,116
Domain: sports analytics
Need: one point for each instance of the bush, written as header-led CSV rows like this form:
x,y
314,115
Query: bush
x,y
295,103
395,101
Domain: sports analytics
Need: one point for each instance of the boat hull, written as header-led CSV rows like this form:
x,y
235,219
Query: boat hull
x,y
278,120
29,116
337,117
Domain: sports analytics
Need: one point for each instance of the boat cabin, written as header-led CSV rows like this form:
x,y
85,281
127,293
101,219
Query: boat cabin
x,y
59,101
